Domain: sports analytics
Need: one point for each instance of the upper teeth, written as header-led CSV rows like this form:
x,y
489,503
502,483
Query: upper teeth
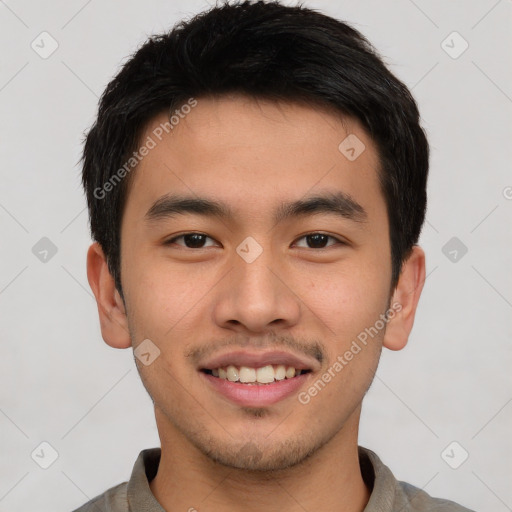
x,y
263,375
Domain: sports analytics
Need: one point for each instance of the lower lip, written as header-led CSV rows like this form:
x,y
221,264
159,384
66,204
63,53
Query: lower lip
x,y
256,395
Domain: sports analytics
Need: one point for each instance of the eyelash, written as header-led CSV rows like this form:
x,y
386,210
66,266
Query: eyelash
x,y
172,240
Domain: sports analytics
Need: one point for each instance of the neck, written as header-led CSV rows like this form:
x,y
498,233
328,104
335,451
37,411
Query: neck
x,y
329,480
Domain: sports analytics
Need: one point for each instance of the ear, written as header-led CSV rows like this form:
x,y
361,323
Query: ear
x,y
406,296
111,310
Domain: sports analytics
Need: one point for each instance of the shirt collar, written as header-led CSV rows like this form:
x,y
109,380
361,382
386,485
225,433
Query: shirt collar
x,y
139,493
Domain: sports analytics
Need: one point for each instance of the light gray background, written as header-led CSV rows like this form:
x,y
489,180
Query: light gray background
x,y
63,385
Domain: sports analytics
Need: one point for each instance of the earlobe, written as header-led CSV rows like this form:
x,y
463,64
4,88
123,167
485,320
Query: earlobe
x,y
111,310
405,298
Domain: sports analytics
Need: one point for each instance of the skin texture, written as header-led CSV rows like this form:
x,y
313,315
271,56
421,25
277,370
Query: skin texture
x,y
253,155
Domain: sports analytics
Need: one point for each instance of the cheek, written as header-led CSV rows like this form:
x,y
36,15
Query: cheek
x,y
164,300
163,306
348,299
349,303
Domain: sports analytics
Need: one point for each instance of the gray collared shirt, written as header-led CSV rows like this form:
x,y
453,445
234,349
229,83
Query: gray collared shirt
x,y
388,494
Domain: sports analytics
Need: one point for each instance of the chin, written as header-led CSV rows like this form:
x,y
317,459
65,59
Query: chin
x,y
260,457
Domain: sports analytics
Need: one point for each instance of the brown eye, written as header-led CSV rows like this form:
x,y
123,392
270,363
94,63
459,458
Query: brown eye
x,y
191,240
318,240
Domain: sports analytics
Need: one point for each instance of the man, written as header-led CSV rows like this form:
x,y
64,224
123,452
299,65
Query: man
x,y
256,183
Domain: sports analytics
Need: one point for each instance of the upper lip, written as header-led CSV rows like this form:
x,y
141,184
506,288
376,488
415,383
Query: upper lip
x,y
259,359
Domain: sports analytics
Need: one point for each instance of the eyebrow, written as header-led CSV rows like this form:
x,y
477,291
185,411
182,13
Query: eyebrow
x,y
334,203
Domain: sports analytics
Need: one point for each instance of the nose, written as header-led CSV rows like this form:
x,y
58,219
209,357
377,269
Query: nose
x,y
256,296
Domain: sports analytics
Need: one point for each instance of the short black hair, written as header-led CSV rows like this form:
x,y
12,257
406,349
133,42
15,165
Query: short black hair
x,y
263,50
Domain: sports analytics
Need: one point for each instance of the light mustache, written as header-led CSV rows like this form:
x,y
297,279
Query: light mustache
x,y
311,349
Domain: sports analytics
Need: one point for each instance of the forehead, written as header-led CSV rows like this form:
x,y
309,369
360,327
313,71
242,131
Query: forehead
x,y
248,153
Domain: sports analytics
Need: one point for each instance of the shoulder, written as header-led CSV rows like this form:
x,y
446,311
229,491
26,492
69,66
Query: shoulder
x,y
390,494
419,501
112,500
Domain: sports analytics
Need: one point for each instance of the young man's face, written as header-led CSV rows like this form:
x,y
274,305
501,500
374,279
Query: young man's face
x,y
255,289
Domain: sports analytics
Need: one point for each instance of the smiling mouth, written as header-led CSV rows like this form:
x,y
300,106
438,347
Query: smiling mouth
x,y
255,376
